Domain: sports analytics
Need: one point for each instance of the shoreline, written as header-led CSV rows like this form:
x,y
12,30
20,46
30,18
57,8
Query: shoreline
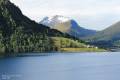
x,y
46,54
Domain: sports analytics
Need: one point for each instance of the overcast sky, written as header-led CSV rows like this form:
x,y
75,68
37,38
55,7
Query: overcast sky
x,y
91,14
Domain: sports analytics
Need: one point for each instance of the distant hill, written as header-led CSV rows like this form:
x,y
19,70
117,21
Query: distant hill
x,y
108,37
67,25
110,33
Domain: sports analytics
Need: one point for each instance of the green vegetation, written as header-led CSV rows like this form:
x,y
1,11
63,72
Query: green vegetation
x,y
82,50
70,45
60,42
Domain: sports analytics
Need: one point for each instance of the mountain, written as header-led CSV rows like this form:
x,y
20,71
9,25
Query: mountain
x,y
66,25
19,34
108,37
110,33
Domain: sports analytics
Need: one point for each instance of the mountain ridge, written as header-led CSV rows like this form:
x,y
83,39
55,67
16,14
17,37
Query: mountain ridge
x,y
67,25
107,38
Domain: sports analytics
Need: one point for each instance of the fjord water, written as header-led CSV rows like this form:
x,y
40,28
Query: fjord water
x,y
62,66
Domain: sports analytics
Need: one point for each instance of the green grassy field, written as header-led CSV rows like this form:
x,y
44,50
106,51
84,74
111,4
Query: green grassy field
x,y
68,45
82,50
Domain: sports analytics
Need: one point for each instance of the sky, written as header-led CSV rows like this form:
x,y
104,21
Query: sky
x,y
90,14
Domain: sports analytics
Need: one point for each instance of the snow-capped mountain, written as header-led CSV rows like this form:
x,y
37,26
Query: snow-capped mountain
x,y
57,22
54,20
66,25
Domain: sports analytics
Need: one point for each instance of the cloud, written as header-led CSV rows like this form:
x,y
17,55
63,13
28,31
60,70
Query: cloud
x,y
92,14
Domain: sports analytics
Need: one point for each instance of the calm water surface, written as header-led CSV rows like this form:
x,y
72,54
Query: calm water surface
x,y
69,66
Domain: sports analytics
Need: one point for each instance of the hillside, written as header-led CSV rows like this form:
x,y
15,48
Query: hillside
x,y
110,33
67,25
70,45
19,34
108,37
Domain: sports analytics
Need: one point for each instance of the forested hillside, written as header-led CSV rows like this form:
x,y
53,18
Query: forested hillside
x,y
19,34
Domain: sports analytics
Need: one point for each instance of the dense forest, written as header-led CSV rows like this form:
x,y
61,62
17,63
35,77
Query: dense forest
x,y
19,34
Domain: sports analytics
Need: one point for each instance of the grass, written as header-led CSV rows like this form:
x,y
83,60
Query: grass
x,y
69,45
82,50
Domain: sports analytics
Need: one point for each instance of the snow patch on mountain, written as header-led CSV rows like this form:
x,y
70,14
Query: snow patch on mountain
x,y
52,20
